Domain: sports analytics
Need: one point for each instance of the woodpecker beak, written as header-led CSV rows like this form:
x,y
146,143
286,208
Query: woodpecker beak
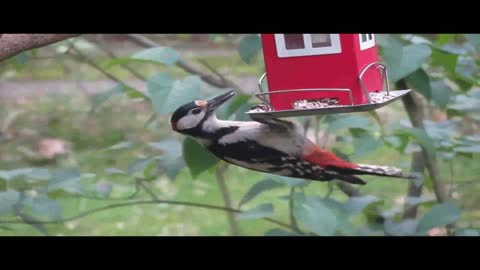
x,y
217,101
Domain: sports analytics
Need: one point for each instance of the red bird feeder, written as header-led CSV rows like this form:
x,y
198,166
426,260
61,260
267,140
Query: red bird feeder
x,y
310,74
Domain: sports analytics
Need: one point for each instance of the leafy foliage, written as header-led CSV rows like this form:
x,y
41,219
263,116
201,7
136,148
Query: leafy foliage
x,y
442,68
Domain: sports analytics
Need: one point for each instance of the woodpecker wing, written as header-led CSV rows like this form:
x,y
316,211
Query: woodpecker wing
x,y
278,146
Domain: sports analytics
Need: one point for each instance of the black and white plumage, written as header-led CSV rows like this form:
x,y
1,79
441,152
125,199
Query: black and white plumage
x,y
273,146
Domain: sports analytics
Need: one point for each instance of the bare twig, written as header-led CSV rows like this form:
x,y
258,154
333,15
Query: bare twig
x,y
13,44
221,82
220,176
213,70
81,57
103,47
146,189
119,205
293,220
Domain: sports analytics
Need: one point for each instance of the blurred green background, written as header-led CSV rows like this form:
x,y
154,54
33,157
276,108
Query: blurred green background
x,y
86,146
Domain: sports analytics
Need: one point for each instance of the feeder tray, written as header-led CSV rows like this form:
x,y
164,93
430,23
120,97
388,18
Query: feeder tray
x,y
268,112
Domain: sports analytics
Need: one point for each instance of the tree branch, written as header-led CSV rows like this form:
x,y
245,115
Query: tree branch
x,y
119,205
13,44
415,110
418,165
218,81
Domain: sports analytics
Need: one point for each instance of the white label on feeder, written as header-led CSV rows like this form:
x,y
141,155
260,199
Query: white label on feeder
x,y
290,45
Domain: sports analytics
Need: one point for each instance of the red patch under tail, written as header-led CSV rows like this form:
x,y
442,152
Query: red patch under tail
x,y
314,154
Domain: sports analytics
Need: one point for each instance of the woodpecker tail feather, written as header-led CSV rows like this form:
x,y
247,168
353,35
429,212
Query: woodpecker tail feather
x,y
348,174
381,171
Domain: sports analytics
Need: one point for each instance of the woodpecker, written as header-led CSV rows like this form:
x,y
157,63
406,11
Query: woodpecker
x,y
273,146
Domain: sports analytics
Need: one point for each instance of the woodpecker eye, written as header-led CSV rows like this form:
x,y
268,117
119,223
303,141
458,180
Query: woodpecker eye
x,y
196,111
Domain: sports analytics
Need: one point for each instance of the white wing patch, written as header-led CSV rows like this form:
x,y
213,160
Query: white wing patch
x,y
289,142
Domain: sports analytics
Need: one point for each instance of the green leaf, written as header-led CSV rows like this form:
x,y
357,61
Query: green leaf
x,y
169,147
441,93
121,145
172,167
167,94
468,149
45,207
15,173
357,204
440,215
344,225
465,104
138,167
417,201
164,55
114,171
249,46
365,144
104,188
258,188
421,137
261,211
392,50
280,232
197,158
19,60
236,103
133,93
351,121
171,161
466,232
160,55
36,174
474,39
404,228
289,181
66,180
420,82
150,171
467,69
100,98
8,200
315,216
413,57
65,175
443,39
445,59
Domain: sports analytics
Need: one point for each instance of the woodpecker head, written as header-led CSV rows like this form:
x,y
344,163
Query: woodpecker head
x,y
189,118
